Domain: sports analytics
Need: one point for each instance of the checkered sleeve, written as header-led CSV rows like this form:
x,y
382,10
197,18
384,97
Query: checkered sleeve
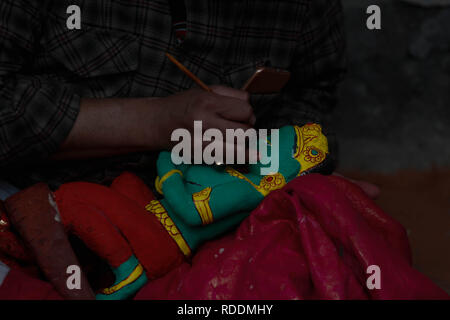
x,y
317,68
36,112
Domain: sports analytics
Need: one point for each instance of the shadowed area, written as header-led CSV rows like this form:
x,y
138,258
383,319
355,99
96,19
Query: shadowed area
x,y
393,121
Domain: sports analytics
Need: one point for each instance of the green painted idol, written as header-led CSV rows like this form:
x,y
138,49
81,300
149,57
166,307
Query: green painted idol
x,y
201,202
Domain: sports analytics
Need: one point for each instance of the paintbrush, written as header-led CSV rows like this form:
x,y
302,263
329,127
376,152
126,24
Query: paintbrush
x,y
199,82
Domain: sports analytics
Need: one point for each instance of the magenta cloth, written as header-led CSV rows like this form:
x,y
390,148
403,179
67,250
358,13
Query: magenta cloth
x,y
314,239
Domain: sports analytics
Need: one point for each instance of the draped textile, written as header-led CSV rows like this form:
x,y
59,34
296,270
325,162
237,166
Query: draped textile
x,y
314,239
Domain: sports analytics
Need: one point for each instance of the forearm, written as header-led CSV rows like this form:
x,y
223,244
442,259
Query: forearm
x,y
106,127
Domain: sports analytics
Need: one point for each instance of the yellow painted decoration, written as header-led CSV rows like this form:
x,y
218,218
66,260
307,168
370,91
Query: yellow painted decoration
x,y
155,207
201,201
312,146
137,272
159,182
267,184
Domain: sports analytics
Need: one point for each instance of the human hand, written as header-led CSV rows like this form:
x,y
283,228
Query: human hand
x,y
224,108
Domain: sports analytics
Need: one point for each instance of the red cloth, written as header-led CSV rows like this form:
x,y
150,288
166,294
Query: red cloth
x,y
314,239
113,223
20,286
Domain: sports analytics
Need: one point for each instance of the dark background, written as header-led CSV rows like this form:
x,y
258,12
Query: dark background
x,y
395,101
393,120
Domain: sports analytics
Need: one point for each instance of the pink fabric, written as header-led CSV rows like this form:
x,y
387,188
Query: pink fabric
x,y
314,239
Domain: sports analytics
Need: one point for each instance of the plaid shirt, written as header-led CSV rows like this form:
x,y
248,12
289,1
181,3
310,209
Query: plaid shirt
x,y
45,68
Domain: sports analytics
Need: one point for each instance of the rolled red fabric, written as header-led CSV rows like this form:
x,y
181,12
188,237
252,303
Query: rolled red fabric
x,y
38,223
147,238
